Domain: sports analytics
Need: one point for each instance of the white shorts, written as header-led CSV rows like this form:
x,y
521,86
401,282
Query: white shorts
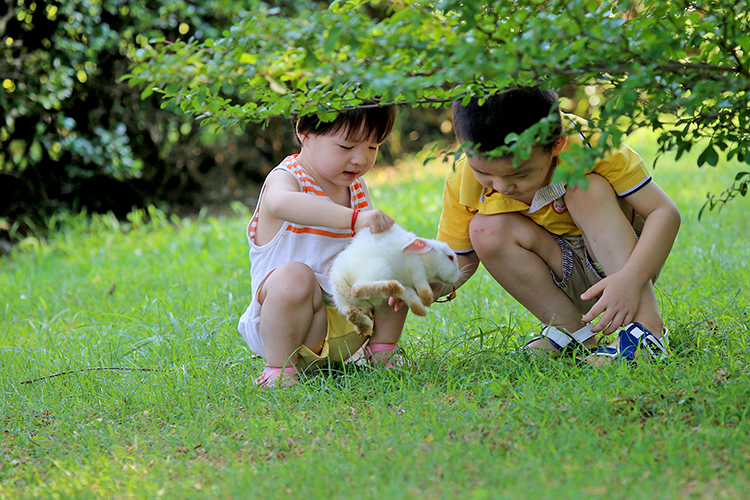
x,y
249,327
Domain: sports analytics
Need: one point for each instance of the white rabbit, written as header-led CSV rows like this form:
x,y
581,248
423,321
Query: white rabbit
x,y
392,263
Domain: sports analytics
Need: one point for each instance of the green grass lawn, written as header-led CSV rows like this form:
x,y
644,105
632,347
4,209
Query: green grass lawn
x,y
174,414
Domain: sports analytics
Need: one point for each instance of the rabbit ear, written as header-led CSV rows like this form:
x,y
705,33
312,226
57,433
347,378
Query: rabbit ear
x,y
418,245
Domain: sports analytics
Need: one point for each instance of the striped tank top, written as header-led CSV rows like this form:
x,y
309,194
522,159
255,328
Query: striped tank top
x,y
312,245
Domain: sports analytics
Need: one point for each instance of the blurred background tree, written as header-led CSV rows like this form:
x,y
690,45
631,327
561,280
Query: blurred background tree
x,y
74,137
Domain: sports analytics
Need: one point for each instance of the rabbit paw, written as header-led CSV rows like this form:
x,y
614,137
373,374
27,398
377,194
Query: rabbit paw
x,y
361,321
390,288
417,308
425,295
413,301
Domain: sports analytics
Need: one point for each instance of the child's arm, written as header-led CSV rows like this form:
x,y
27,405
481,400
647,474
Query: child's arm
x,y
284,202
621,291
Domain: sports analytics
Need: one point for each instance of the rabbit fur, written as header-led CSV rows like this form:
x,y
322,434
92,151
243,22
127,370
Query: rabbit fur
x,y
392,263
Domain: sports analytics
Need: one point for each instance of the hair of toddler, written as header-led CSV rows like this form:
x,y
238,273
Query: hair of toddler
x,y
360,124
509,111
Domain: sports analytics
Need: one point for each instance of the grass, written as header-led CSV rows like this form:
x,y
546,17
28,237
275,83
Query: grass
x,y
156,300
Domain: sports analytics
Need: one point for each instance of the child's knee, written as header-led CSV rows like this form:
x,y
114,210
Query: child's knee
x,y
492,233
294,281
598,191
488,228
495,223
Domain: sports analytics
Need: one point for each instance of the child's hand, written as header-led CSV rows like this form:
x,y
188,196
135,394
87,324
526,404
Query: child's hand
x,y
376,220
396,303
620,301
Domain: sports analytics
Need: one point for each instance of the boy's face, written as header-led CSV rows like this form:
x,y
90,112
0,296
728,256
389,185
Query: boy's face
x,y
336,159
519,183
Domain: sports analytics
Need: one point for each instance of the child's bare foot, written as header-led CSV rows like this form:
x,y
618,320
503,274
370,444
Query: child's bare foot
x,y
277,377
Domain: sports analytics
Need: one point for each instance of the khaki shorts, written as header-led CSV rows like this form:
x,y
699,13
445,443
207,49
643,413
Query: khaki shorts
x,y
580,269
341,342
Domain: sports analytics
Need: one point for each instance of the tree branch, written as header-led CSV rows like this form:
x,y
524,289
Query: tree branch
x,y
98,368
8,16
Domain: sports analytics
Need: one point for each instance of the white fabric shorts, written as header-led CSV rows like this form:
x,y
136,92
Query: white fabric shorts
x,y
249,327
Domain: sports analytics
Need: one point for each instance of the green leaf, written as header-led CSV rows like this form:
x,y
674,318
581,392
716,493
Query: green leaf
x,y
700,212
249,58
333,35
276,86
709,155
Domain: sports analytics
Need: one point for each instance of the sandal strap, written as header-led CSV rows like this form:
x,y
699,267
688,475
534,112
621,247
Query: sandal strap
x,y
391,361
271,375
560,339
636,335
606,352
374,347
557,338
583,334
633,337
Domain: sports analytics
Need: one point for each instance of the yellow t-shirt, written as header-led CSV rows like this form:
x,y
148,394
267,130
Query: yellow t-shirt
x,y
463,196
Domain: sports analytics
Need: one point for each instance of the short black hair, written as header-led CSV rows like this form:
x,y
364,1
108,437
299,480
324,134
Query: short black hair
x,y
360,124
508,111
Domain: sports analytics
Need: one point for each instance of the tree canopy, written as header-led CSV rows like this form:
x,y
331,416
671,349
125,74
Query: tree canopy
x,y
681,68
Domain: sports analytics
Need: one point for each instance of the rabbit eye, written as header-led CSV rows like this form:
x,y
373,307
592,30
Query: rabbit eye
x,y
450,257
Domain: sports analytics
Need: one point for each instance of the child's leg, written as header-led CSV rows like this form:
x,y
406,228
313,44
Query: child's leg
x,y
519,254
292,313
609,235
387,329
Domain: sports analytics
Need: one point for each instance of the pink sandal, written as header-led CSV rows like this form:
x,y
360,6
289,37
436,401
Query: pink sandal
x,y
384,355
277,377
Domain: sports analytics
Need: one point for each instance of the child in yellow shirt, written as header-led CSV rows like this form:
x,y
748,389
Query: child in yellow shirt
x,y
568,255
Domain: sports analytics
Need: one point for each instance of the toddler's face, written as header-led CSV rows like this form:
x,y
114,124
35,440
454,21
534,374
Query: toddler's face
x,y
519,183
337,159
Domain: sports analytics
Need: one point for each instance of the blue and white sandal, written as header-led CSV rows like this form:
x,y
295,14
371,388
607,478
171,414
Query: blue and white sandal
x,y
561,340
635,336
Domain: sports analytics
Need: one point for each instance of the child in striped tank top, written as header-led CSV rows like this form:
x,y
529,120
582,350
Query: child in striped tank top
x,y
309,208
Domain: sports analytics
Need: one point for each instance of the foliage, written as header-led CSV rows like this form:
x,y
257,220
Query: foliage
x,y
681,68
73,136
